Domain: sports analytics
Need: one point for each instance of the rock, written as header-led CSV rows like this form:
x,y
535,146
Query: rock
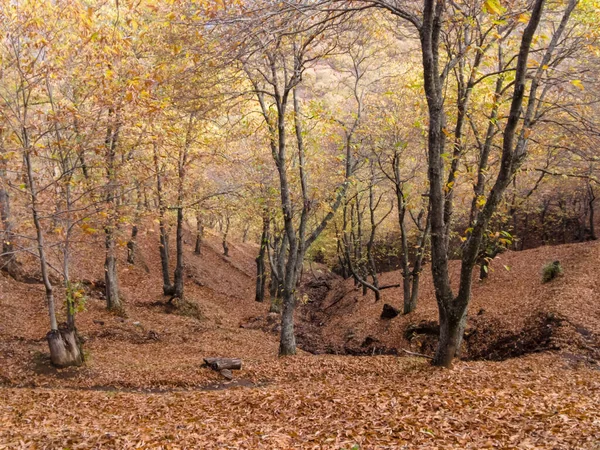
x,y
389,312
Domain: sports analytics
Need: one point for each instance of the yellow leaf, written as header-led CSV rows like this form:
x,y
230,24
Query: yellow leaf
x,y
493,7
578,83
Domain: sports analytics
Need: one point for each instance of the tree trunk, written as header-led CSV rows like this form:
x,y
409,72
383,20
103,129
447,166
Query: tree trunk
x,y
111,280
8,261
277,264
178,275
65,348
287,343
178,281
67,254
168,288
452,310
225,233
132,245
275,291
592,198
483,270
409,305
261,270
199,234
415,274
371,267
414,295
451,333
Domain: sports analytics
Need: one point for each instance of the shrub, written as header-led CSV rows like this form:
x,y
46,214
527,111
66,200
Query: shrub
x,y
550,271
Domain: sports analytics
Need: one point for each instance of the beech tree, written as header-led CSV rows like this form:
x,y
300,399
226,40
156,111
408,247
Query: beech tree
x,y
30,113
275,67
430,22
453,308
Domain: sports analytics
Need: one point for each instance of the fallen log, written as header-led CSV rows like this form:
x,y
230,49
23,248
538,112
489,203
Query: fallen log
x,y
219,364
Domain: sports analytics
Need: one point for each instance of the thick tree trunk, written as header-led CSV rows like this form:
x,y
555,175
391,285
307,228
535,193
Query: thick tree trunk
x,y
65,348
451,332
287,343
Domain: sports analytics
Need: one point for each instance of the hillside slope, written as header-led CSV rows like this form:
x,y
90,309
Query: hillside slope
x,y
151,345
143,386
510,312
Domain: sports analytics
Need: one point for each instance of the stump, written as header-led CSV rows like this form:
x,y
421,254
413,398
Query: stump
x,y
65,349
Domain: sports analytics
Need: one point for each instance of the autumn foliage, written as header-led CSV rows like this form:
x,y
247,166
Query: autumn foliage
x,y
253,179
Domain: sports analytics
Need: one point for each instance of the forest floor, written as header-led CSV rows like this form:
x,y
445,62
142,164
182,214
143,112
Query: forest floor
x,y
143,386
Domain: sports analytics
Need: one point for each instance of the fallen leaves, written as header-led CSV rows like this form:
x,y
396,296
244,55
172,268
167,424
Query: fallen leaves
x,y
136,392
397,401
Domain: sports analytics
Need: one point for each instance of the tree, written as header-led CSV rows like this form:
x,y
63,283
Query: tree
x,y
31,115
275,67
429,23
